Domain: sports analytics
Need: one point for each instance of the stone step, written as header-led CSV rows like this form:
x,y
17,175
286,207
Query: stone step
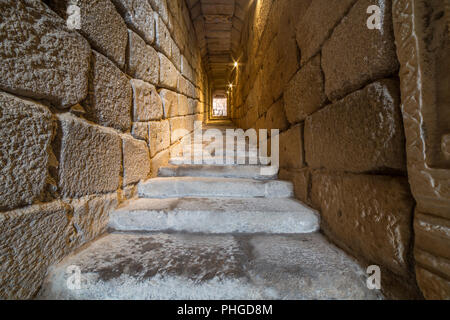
x,y
199,267
216,215
213,161
178,187
231,171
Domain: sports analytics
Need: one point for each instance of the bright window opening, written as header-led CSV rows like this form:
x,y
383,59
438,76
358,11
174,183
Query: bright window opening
x,y
219,106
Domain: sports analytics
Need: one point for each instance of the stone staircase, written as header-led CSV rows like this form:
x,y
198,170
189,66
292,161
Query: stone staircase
x,y
210,231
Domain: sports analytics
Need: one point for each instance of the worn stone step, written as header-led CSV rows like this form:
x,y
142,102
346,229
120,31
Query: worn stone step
x,y
177,187
187,266
216,215
231,171
224,160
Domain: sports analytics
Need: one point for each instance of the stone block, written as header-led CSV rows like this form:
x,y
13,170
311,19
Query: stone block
x,y
90,158
159,136
26,132
361,133
32,34
160,160
139,130
91,215
183,107
181,126
170,103
305,93
136,160
101,25
301,181
138,16
33,238
160,6
192,106
109,100
291,148
168,74
147,104
355,55
176,55
143,60
368,215
276,117
163,40
317,24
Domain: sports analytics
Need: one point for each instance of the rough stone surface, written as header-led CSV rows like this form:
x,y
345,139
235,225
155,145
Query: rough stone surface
x,y
91,215
32,35
181,266
147,104
89,158
305,93
110,95
32,239
138,15
139,131
26,131
170,103
168,75
163,40
355,55
136,160
183,105
361,133
276,117
101,25
143,60
159,136
369,215
301,181
317,24
291,148
160,160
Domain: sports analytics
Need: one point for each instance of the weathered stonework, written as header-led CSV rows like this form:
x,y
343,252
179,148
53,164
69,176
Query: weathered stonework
x,y
62,56
301,180
147,104
276,117
168,75
143,60
91,215
160,160
101,25
368,215
159,136
170,103
139,131
89,158
109,99
305,93
291,148
33,239
163,39
317,24
356,55
26,131
361,133
138,15
136,161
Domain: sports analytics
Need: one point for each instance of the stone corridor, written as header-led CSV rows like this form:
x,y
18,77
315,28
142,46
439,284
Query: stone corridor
x,y
107,193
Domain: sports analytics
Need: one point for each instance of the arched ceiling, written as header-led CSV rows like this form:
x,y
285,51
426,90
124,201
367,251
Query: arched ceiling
x,y
218,24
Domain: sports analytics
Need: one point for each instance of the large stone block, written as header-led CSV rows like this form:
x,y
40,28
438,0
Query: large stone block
x,y
26,132
139,130
136,160
276,117
138,15
90,158
160,6
147,104
183,106
110,95
101,25
318,22
300,179
355,55
159,136
143,60
362,132
291,148
32,239
170,103
305,93
40,57
160,160
91,215
368,215
181,126
168,74
163,40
